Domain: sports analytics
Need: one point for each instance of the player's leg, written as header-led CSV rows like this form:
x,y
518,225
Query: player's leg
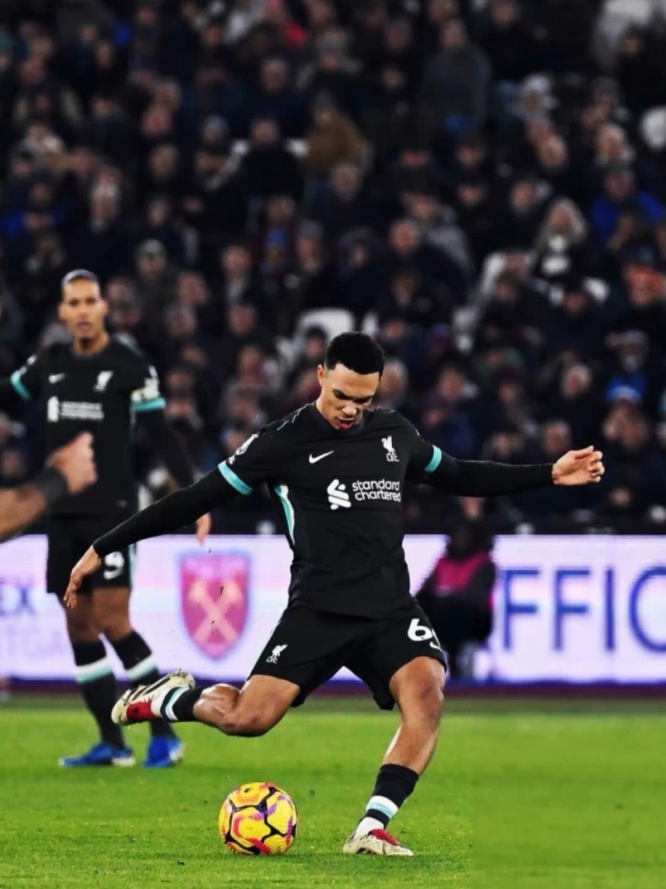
x,y
405,665
304,650
418,689
113,618
248,712
97,684
92,670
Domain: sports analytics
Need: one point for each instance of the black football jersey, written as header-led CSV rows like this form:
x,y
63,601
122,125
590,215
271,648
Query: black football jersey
x,y
341,496
99,394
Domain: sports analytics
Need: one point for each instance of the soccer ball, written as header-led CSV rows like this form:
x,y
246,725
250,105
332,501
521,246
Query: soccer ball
x,y
258,819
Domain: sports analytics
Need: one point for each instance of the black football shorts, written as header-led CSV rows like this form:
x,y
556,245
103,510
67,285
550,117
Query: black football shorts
x,y
68,539
309,647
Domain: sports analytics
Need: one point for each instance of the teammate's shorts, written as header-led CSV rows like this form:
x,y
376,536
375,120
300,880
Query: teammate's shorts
x,y
68,539
309,647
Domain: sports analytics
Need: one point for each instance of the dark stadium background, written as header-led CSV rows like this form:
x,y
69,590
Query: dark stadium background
x,y
481,184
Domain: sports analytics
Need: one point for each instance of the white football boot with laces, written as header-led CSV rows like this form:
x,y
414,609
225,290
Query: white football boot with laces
x,y
144,703
375,842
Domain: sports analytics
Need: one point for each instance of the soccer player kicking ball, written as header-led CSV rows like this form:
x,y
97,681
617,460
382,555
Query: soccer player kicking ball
x,y
337,471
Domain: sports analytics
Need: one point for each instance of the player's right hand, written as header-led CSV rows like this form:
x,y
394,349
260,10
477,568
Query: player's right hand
x,y
87,564
76,462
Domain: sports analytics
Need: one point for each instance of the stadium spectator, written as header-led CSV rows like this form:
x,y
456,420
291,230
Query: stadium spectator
x,y
342,204
509,42
638,478
620,199
457,594
268,167
155,279
333,139
562,247
457,81
576,400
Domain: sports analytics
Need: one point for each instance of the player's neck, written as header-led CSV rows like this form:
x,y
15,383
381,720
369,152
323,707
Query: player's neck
x,y
318,408
92,346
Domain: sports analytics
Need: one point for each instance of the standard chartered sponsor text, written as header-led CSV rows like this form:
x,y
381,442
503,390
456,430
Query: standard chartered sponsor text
x,y
74,410
381,489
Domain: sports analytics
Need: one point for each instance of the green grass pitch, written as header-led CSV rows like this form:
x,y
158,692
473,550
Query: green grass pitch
x,y
545,798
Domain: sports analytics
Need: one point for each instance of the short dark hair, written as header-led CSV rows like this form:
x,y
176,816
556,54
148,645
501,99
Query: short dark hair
x,y
357,351
78,275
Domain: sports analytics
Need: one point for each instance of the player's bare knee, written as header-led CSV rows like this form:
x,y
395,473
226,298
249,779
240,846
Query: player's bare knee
x,y
112,613
81,628
114,626
113,621
79,634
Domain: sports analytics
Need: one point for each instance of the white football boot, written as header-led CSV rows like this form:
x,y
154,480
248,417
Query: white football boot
x,y
144,703
375,842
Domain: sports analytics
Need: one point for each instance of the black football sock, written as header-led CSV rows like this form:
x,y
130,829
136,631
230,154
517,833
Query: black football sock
x,y
178,705
141,669
98,686
394,784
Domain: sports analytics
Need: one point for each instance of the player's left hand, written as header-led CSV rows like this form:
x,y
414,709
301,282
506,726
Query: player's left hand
x,y
87,564
579,467
204,525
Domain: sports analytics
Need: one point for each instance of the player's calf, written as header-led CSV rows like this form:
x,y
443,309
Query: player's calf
x,y
418,690
239,713
250,712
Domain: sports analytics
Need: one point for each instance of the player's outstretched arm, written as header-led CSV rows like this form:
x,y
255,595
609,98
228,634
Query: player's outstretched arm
x,y
183,507
471,478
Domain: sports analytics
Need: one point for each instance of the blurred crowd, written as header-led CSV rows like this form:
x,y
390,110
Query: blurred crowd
x,y
479,184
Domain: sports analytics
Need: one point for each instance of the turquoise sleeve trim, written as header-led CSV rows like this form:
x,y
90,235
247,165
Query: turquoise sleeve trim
x,y
230,476
15,380
155,404
283,493
435,460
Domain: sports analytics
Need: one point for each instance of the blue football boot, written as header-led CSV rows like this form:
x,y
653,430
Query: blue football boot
x,y
163,752
100,754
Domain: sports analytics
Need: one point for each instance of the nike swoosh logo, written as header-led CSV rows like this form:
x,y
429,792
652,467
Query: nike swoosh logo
x,y
320,457
55,378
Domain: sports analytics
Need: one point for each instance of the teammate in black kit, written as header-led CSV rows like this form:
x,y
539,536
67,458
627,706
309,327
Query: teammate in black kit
x,y
337,472
100,385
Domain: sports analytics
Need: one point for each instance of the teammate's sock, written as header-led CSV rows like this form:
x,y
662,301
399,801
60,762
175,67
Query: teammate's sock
x,y
141,669
394,784
98,686
178,705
